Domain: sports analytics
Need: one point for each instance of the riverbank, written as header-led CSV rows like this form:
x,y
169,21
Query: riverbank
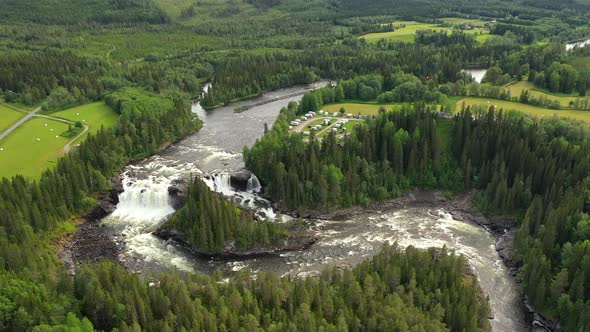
x,y
460,208
256,95
92,242
299,238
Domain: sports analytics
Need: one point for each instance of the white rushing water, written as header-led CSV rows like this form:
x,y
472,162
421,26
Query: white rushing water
x,y
144,204
221,183
571,46
477,74
254,184
216,150
144,200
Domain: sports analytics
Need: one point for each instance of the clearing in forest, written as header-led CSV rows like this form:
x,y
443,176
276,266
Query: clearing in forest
x,y
357,108
528,109
518,87
406,30
94,115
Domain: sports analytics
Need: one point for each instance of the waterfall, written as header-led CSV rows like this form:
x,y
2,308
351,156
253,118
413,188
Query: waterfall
x,y
249,199
253,184
221,183
145,201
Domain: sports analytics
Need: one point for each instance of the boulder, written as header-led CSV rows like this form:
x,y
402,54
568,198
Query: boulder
x,y
239,179
177,197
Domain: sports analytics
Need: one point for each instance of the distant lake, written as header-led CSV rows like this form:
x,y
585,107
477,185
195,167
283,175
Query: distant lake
x,y
477,74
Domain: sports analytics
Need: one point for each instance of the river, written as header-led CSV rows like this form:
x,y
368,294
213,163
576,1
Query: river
x,y
571,46
477,74
217,147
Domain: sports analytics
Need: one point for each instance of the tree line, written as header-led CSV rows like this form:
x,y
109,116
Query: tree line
x,y
534,170
542,177
31,211
405,290
378,159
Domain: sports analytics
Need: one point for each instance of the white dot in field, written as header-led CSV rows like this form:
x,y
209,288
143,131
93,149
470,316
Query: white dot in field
x,y
50,129
56,136
46,125
83,120
1,149
77,113
38,139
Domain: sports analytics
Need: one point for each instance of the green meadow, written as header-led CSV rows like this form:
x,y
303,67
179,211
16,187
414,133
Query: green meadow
x,y
356,108
517,88
94,115
32,147
406,30
8,117
38,143
528,109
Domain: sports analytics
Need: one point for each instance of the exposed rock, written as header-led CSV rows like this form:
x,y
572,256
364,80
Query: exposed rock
x,y
505,249
117,185
177,197
299,238
92,242
538,322
239,179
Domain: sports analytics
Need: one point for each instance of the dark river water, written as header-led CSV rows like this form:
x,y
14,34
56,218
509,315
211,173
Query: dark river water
x,y
217,147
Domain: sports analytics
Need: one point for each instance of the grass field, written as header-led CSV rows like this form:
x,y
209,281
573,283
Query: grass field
x,y
25,107
459,20
94,115
32,147
314,123
444,130
517,88
528,109
348,128
406,33
8,116
354,108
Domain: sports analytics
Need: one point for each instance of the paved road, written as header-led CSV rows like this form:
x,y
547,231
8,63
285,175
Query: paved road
x,y
19,123
68,146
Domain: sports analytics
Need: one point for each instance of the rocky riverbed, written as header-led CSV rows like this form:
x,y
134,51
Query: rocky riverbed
x,y
300,238
92,241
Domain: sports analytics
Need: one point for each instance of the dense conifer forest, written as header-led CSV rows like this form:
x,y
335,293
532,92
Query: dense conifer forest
x,y
210,223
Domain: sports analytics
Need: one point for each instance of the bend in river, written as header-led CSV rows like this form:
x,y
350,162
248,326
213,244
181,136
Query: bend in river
x,y
145,204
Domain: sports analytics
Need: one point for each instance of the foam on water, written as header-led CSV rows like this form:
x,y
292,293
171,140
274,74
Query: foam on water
x,y
221,182
477,74
146,202
571,46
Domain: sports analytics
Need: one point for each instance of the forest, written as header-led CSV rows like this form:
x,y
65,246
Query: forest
x,y
396,289
536,171
210,223
147,59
